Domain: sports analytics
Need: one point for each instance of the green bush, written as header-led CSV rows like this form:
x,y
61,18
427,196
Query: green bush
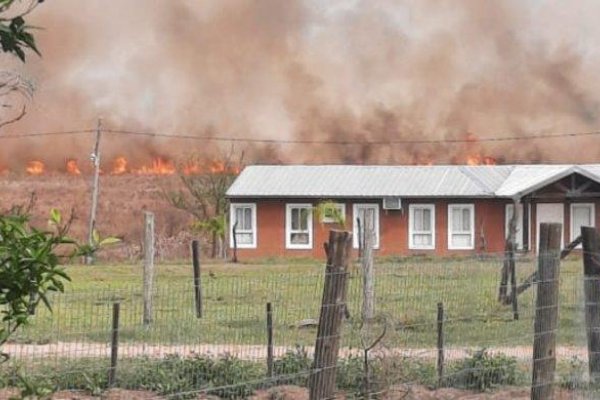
x,y
293,368
227,377
410,370
29,268
351,376
483,371
574,378
234,378
164,376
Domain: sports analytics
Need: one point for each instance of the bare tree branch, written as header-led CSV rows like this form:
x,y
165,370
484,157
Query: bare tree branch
x,y
15,119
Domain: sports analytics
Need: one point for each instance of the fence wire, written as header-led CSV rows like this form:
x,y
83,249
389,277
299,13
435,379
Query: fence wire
x,y
394,355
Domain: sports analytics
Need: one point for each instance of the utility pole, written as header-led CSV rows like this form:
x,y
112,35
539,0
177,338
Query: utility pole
x,y
95,157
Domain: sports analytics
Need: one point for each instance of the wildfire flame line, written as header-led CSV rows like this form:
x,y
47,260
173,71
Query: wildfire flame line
x,y
122,166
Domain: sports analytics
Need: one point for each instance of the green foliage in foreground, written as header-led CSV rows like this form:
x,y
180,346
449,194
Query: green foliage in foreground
x,y
232,378
483,371
15,34
29,268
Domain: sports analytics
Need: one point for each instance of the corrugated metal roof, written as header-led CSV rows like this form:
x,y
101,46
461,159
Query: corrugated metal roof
x,y
525,178
331,181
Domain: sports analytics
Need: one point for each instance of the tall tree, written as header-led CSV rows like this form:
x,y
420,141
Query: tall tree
x,y
205,183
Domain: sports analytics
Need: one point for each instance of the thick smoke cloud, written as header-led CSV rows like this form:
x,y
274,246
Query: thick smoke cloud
x,y
342,70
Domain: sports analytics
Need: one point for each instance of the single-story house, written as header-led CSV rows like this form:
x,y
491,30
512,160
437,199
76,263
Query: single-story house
x,y
441,210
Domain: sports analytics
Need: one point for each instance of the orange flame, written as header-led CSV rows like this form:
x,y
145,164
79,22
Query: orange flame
x,y
217,167
35,167
160,166
192,169
478,159
119,166
72,167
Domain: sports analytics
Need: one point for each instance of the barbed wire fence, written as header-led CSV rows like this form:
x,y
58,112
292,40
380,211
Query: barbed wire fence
x,y
241,347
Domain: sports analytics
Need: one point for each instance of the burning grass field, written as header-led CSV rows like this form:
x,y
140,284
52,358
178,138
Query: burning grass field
x,y
407,293
122,201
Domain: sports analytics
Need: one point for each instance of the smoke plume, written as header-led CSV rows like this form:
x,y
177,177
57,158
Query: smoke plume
x,y
344,71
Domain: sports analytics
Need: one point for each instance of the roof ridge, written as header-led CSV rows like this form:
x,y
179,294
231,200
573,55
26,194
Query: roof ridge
x,y
473,178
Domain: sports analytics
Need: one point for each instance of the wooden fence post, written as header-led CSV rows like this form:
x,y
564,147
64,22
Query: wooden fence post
x,y
360,238
148,266
368,305
269,340
114,345
440,343
235,257
197,277
591,289
513,281
333,305
546,313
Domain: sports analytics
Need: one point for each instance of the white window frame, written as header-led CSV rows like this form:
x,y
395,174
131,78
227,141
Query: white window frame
x,y
411,232
342,210
288,226
451,208
520,231
232,209
592,207
355,208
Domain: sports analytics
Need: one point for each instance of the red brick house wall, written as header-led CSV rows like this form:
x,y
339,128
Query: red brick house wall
x,y
271,214
528,184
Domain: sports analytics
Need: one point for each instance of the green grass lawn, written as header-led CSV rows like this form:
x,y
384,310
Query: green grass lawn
x,y
407,293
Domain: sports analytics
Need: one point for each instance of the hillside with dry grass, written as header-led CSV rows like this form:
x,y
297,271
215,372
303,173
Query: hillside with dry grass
x,y
122,201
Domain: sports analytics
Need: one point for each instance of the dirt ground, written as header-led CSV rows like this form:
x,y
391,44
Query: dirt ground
x,y
298,393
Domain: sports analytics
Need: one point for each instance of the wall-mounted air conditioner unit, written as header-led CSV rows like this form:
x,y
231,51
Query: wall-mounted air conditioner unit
x,y
392,203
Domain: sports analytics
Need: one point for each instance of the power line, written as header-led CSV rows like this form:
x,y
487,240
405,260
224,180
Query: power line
x,y
334,142
356,142
38,134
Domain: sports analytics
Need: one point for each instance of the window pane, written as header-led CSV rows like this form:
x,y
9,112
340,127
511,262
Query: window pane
x,y
461,240
466,219
304,219
422,239
582,216
239,220
426,220
456,220
299,238
295,214
248,218
418,219
244,238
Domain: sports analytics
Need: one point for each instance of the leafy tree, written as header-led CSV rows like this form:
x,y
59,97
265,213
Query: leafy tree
x,y
15,39
30,266
15,34
203,195
330,209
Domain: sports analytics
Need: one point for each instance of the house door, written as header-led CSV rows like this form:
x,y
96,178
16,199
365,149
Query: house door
x,y
550,213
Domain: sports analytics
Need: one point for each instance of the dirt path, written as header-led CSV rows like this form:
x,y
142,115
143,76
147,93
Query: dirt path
x,y
247,352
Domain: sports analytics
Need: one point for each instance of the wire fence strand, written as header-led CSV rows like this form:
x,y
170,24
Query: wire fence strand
x,y
224,353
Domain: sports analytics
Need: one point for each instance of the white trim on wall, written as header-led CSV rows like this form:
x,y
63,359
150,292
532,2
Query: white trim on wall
x,y
592,208
355,210
288,226
254,231
412,232
451,209
507,216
